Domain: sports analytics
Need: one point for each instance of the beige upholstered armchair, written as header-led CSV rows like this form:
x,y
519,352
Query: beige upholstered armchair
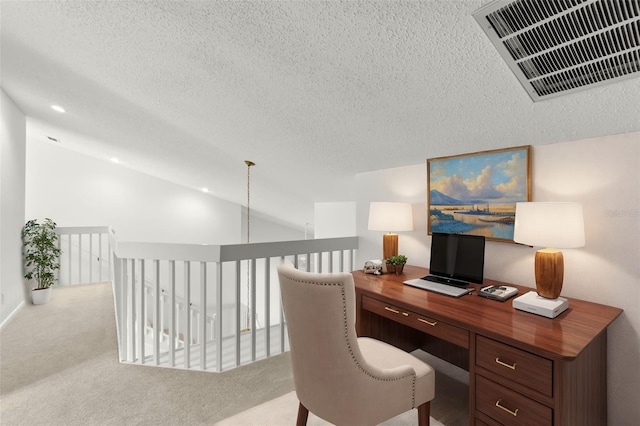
x,y
339,377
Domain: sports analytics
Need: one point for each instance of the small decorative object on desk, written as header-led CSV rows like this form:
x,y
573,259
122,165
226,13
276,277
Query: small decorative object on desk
x,y
396,264
498,292
373,267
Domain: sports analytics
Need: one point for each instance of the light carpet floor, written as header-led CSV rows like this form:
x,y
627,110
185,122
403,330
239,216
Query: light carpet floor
x,y
59,366
449,408
284,411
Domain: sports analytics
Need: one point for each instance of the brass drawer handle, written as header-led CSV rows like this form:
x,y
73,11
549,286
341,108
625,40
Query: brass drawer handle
x,y
504,364
431,323
513,413
395,311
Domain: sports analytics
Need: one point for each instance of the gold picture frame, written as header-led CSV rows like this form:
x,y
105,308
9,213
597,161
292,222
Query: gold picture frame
x,y
476,194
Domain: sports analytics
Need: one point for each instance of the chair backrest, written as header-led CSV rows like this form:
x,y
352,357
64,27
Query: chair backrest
x,y
320,314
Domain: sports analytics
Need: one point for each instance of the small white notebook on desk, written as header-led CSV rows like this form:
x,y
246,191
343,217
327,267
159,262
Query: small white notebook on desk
x,y
446,289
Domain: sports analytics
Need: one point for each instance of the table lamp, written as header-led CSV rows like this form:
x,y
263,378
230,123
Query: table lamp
x,y
553,225
390,217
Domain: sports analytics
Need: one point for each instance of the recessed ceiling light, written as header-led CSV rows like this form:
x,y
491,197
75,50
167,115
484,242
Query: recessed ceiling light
x,y
205,189
57,108
115,160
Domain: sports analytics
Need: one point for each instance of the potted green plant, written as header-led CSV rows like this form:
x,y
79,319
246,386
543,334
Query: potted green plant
x,y
396,263
41,257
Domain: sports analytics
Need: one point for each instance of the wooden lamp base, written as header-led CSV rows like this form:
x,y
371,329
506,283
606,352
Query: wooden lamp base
x,y
549,266
389,245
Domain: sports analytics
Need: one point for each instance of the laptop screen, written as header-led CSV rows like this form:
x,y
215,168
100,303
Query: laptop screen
x,y
457,256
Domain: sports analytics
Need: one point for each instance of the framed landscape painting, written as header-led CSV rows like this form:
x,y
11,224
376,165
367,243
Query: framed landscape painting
x,y
476,194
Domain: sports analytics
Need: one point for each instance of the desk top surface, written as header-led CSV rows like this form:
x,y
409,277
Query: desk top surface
x,y
564,336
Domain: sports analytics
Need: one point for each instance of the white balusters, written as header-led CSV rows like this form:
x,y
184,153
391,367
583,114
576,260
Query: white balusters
x,y
83,260
185,316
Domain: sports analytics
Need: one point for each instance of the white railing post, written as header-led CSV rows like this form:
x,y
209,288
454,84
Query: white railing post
x,y
118,299
79,258
187,319
252,294
157,324
172,315
203,316
131,289
100,257
218,322
90,255
238,312
142,316
267,306
124,287
283,330
70,256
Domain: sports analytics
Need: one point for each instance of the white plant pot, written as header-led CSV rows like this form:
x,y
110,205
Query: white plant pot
x,y
40,296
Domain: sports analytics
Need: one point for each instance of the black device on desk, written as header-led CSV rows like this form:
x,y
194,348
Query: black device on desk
x,y
456,261
498,292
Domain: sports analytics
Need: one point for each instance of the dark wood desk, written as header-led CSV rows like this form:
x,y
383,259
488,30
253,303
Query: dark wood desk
x,y
523,368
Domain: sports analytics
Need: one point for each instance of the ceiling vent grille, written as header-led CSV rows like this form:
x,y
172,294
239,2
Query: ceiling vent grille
x,y
556,47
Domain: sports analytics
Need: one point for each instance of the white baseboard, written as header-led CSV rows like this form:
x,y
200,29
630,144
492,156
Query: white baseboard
x,y
11,315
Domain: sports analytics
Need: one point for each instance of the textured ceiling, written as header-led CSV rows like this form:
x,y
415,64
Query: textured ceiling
x,y
313,92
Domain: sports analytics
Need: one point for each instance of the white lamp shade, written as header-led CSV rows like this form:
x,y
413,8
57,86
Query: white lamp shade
x,y
390,217
549,224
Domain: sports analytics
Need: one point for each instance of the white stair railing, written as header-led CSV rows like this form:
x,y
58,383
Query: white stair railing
x,y
210,307
203,307
86,255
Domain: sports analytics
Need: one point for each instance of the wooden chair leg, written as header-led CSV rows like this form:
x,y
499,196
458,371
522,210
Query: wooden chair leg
x,y
303,414
424,413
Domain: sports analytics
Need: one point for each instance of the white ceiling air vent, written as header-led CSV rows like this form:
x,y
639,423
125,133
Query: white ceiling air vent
x,y
556,47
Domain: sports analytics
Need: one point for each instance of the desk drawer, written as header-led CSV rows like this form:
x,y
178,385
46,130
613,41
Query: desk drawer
x,y
431,326
509,407
514,364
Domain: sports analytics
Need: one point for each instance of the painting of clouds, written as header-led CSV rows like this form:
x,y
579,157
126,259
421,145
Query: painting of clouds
x,y
477,193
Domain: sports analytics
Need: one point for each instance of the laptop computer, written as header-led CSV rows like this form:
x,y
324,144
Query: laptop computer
x,y
457,260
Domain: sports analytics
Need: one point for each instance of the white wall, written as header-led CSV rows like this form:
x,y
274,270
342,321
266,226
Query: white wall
x,y
12,166
603,175
263,229
335,219
402,184
77,190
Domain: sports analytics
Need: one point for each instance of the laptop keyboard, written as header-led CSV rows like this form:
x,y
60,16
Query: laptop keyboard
x,y
447,289
447,281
